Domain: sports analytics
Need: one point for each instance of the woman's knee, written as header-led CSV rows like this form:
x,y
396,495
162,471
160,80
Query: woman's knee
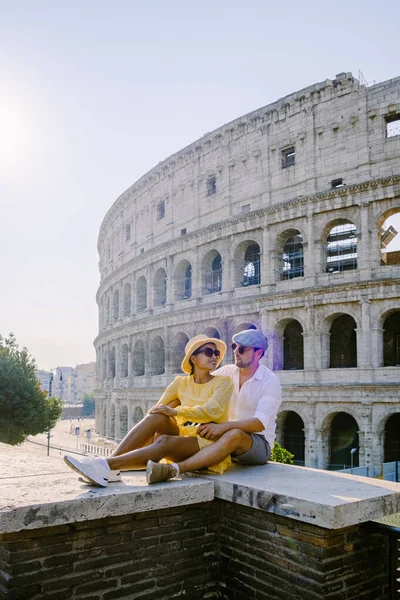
x,y
164,441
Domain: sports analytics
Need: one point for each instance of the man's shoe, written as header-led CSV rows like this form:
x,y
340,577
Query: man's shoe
x,y
157,472
91,468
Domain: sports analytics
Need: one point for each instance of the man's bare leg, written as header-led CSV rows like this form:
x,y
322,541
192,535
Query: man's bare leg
x,y
233,442
144,431
173,447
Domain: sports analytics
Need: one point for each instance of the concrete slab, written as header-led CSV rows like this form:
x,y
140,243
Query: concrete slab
x,y
38,491
324,498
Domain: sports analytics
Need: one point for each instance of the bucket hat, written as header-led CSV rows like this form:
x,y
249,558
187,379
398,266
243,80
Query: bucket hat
x,y
195,343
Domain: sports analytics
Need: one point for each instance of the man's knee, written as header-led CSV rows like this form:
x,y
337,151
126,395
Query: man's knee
x,y
235,438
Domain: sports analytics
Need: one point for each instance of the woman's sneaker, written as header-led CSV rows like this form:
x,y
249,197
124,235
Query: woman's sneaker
x,y
92,469
156,472
114,477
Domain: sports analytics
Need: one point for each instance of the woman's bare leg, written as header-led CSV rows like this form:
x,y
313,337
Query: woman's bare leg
x,y
175,448
144,431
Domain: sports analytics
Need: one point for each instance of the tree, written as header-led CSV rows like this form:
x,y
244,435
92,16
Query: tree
x,y
24,408
88,405
281,455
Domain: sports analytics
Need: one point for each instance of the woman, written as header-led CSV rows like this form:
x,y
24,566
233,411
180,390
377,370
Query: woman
x,y
169,430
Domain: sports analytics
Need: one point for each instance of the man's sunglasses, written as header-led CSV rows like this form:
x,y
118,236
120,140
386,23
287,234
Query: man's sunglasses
x,y
242,349
209,352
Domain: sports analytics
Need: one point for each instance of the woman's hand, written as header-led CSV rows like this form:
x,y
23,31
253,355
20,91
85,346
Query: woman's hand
x,y
161,409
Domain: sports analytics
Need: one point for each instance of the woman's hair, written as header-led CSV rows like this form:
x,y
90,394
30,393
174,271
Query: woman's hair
x,y
197,352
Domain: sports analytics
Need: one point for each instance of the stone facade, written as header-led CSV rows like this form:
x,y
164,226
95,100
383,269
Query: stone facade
x,y
282,229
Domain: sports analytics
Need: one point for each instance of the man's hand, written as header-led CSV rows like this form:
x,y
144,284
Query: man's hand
x,y
211,431
161,409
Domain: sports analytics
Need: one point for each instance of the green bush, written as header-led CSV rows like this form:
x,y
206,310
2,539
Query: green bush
x,y
281,455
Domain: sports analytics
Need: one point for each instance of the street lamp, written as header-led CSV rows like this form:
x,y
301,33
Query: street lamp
x,y
352,452
50,392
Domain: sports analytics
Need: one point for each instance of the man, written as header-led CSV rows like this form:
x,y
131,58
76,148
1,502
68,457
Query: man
x,y
249,434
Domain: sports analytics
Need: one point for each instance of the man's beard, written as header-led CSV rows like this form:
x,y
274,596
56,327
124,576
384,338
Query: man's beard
x,y
242,365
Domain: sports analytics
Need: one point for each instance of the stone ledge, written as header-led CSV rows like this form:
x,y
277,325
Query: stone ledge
x,y
324,498
40,491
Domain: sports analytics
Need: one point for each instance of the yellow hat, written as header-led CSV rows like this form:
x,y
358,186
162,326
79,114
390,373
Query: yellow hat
x,y
197,342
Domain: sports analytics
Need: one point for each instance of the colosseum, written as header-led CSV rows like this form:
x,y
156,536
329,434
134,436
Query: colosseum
x,y
278,220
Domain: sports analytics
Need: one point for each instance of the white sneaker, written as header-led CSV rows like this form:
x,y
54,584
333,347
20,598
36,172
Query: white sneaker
x,y
91,468
113,477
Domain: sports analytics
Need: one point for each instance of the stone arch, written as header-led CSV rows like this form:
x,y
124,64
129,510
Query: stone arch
x,y
293,346
343,342
141,294
127,299
291,426
160,288
212,332
111,432
339,435
116,305
243,326
178,350
247,269
123,421
340,246
386,232
124,360
157,356
391,451
112,362
108,310
138,359
183,280
138,415
391,338
212,272
290,254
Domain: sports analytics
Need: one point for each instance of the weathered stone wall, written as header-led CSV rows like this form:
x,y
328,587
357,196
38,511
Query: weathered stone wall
x,y
338,131
212,550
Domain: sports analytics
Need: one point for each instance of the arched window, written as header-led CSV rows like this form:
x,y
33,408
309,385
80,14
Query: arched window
x,y
341,248
391,340
141,294
178,349
213,274
112,362
157,356
111,432
212,333
293,353
123,421
293,436
108,310
388,228
343,343
116,305
124,360
137,415
127,299
251,271
343,439
392,438
293,257
160,288
183,280
138,359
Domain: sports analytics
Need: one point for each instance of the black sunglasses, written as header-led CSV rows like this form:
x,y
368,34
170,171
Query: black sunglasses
x,y
209,352
242,349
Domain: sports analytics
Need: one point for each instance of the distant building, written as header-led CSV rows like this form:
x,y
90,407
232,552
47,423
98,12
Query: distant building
x,y
44,378
85,380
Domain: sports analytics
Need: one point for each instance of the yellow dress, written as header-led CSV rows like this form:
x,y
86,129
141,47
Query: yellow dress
x,y
200,403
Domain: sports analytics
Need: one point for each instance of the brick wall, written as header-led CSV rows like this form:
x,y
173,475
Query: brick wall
x,y
205,551
267,557
153,556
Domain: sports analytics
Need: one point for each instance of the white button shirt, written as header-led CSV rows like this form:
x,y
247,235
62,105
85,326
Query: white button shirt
x,y
259,397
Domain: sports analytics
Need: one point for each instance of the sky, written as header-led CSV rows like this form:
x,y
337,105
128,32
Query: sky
x,y
94,94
